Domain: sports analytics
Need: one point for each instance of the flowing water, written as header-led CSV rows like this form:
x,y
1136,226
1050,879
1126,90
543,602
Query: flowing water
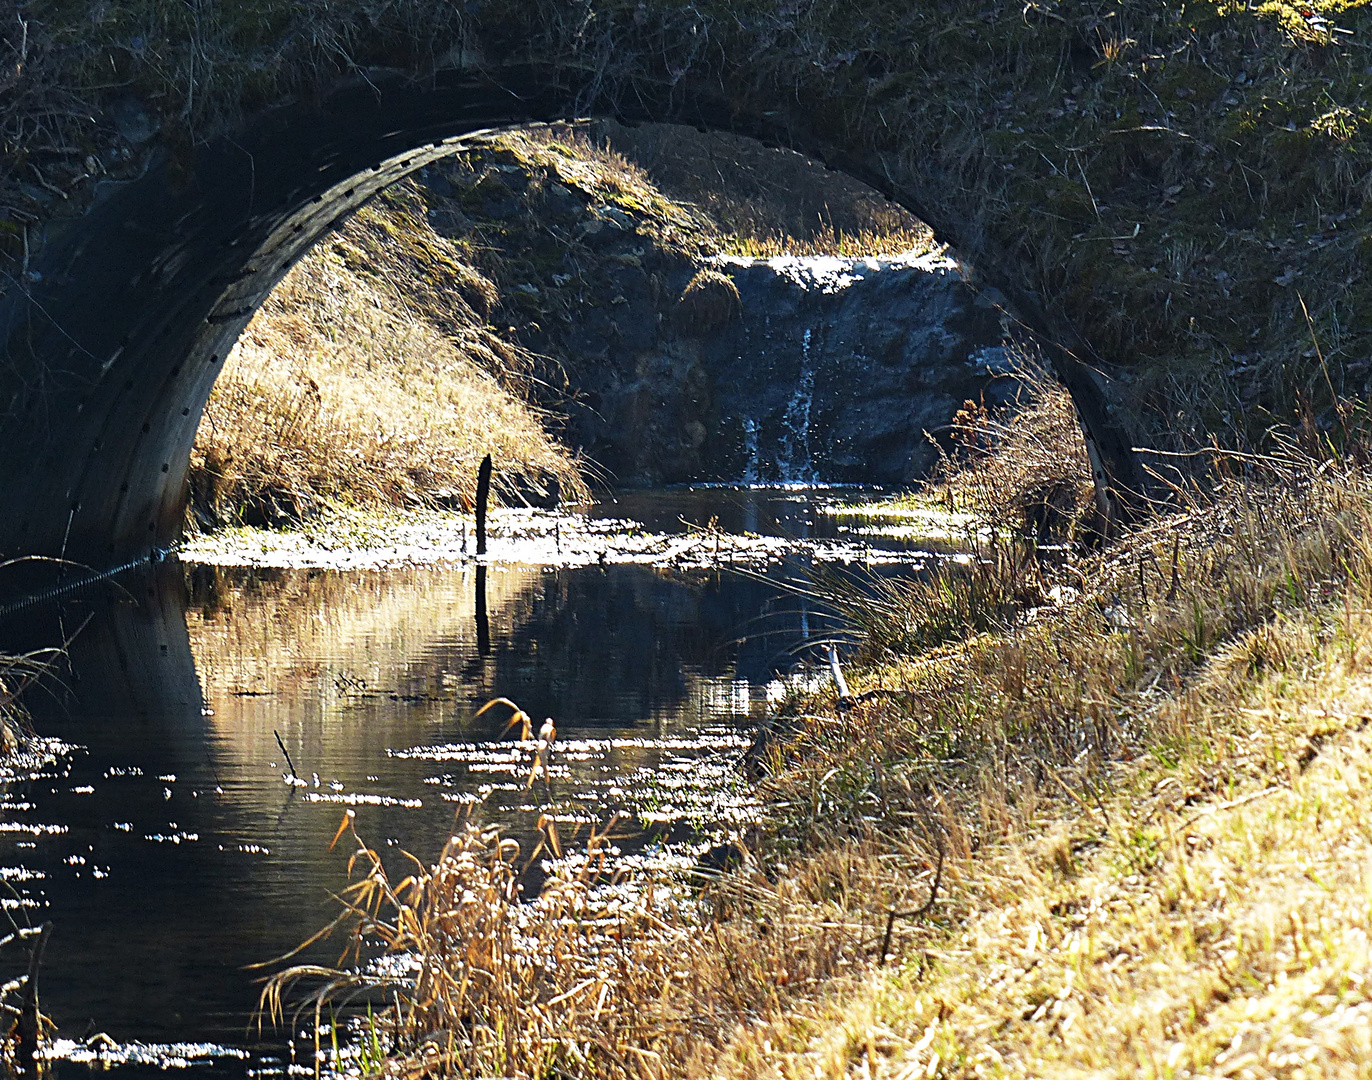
x,y
165,838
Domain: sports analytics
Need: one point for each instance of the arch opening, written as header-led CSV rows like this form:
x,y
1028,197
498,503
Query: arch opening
x,y
614,280
112,353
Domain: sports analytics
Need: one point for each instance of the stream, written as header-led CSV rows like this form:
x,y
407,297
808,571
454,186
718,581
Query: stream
x,y
159,827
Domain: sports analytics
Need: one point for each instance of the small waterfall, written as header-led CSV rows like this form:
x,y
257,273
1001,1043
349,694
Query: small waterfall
x,y
796,463
750,472
835,367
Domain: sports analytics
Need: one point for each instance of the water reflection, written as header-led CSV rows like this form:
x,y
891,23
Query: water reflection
x,y
168,848
169,852
483,621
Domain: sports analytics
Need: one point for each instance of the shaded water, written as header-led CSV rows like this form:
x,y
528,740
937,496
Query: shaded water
x,y
165,845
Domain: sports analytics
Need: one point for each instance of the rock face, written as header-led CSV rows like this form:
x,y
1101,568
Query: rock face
x,y
831,370
839,367
673,365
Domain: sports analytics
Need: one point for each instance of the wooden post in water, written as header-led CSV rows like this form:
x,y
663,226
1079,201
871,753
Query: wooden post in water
x,y
483,493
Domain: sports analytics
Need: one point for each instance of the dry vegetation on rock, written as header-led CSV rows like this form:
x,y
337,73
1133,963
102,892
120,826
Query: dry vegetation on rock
x,y
764,201
1023,468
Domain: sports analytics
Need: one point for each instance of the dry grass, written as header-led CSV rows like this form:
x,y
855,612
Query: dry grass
x,y
594,977
339,392
1147,878
989,590
1210,918
1146,794
766,201
897,239
1022,469
569,154
17,674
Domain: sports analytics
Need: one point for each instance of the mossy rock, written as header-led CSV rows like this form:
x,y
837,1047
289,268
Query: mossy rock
x,y
709,302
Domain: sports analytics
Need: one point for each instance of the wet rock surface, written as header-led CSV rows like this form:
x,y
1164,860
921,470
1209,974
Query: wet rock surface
x,y
838,370
800,369
832,370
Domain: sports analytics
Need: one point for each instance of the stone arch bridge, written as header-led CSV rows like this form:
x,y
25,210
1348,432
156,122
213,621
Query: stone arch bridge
x,y
115,333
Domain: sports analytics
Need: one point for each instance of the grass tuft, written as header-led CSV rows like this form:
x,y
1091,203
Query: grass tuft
x,y
1023,469
709,301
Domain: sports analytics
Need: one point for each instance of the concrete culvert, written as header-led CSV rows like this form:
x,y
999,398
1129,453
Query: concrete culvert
x,y
709,302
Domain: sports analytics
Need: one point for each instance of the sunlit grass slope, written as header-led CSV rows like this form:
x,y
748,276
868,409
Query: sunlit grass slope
x,y
345,389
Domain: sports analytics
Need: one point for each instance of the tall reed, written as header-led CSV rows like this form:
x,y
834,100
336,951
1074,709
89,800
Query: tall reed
x,y
599,975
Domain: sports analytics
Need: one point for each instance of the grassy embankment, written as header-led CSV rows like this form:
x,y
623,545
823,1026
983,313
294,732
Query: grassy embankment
x,y
369,378
1105,817
760,201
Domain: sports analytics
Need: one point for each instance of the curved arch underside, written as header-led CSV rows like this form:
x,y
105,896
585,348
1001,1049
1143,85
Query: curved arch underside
x,y
111,352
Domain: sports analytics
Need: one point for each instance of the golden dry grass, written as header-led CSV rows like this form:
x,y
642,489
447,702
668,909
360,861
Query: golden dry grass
x,y
677,178
1212,919
1120,835
17,674
585,980
897,238
1154,796
766,201
569,154
1023,468
338,391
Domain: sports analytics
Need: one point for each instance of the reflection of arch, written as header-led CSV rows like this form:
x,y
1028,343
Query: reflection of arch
x,y
127,653
109,367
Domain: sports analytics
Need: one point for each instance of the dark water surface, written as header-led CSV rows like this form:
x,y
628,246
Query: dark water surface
x,y
169,852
